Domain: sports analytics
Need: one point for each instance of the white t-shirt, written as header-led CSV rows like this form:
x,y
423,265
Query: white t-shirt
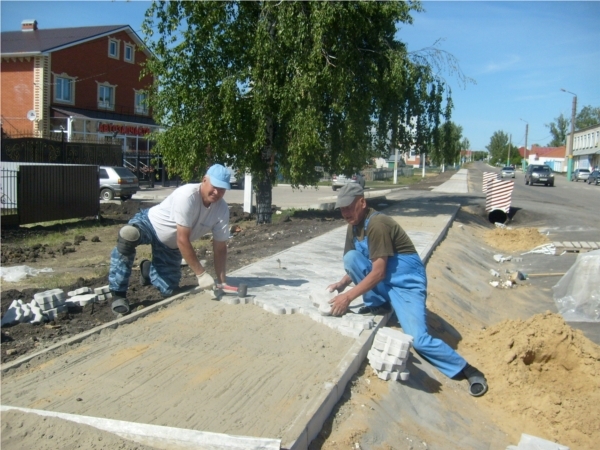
x,y
184,207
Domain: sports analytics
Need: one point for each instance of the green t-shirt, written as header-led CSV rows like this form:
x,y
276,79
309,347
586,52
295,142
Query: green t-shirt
x,y
385,237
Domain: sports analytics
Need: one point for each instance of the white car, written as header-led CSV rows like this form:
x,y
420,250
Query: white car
x,y
507,171
117,181
338,181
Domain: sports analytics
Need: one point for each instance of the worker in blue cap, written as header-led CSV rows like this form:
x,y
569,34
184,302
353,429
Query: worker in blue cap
x,y
187,214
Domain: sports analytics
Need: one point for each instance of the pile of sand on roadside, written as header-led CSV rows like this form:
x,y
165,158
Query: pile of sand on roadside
x,y
515,239
545,376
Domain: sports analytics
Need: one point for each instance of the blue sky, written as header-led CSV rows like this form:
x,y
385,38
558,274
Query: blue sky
x,y
519,53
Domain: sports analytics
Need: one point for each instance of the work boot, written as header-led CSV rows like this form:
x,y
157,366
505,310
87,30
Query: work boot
x,y
145,273
380,310
120,305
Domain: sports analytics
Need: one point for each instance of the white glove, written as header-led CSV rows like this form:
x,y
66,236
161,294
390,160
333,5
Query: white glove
x,y
205,281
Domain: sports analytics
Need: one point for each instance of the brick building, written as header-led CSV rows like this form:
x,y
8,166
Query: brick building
x,y
82,82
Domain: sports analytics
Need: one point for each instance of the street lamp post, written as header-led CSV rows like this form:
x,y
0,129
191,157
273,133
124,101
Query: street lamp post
x,y
570,149
526,133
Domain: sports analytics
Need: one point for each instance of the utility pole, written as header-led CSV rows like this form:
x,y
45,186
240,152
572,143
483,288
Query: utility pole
x,y
525,152
509,146
570,146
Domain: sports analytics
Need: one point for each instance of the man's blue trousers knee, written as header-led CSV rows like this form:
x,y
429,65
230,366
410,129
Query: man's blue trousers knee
x,y
405,286
165,270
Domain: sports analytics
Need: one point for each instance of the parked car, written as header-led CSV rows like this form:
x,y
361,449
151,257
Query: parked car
x,y
541,174
594,178
116,181
507,171
580,174
338,181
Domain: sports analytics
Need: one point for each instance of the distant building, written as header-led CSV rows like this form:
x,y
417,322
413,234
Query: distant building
x,y
551,156
586,148
83,82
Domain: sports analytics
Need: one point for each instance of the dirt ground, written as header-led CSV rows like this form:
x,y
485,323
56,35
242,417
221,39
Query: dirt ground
x,y
543,375
83,257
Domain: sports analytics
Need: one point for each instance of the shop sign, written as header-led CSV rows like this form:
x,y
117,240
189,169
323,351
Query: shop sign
x,y
123,129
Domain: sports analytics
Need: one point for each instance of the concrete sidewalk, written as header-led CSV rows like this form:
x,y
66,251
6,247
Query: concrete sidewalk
x,y
279,284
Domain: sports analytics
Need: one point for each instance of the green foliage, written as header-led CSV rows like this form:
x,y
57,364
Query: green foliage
x,y
587,117
498,147
280,87
559,130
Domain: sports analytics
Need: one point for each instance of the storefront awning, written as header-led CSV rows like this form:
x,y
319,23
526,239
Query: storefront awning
x,y
104,116
587,151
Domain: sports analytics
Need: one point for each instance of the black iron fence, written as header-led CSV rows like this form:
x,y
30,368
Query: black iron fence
x,y
58,151
33,193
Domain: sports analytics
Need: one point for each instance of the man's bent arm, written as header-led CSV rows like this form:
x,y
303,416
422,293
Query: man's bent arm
x,y
340,303
187,251
220,251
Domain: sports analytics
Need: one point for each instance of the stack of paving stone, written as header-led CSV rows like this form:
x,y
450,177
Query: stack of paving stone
x,y
46,305
389,353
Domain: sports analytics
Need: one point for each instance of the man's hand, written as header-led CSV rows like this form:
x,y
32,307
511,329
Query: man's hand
x,y
205,281
339,304
339,286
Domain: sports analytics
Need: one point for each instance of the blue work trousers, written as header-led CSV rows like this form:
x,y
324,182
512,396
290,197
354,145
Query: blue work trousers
x,y
405,286
165,269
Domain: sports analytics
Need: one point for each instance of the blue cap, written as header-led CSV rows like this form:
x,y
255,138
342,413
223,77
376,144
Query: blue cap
x,y
219,176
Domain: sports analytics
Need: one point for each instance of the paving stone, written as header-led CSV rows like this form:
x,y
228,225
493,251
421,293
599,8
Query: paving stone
x,y
102,290
80,291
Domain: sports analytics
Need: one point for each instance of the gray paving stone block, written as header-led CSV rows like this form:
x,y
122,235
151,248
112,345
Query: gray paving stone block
x,y
102,290
80,291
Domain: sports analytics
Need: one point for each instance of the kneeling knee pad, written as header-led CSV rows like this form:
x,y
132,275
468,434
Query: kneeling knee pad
x,y
128,240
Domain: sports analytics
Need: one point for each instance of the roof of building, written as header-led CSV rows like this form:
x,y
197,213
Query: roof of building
x,y
39,41
103,115
548,152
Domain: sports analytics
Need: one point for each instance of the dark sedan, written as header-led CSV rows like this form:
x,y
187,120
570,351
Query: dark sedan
x,y
594,178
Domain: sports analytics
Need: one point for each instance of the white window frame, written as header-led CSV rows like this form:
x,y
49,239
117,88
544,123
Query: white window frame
x,y
117,44
128,47
57,81
140,107
111,104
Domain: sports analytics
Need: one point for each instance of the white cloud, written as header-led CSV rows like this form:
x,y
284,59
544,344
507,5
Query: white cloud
x,y
501,66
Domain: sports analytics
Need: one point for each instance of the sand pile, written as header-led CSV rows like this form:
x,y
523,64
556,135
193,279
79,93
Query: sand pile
x,y
516,239
545,375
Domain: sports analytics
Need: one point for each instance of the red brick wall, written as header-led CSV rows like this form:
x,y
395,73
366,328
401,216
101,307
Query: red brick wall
x,y
90,63
16,87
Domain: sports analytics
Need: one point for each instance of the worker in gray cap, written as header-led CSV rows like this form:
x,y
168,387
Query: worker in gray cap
x,y
187,214
382,262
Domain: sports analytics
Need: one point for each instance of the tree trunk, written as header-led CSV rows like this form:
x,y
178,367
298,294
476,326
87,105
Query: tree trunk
x,y
263,200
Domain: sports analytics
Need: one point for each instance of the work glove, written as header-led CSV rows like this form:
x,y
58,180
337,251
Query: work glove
x,y
205,281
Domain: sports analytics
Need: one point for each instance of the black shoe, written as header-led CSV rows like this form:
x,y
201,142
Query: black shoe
x,y
120,305
380,310
145,273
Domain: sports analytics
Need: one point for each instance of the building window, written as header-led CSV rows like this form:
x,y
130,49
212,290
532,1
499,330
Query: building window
x,y
64,89
113,48
141,102
129,53
106,96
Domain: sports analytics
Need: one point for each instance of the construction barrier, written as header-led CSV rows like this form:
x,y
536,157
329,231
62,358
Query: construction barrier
x,y
498,194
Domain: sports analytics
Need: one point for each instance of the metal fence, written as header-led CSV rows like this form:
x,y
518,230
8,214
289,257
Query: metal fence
x,y
46,150
33,193
386,174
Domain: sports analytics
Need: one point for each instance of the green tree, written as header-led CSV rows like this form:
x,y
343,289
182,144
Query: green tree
x,y
451,146
587,117
559,130
498,147
280,87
